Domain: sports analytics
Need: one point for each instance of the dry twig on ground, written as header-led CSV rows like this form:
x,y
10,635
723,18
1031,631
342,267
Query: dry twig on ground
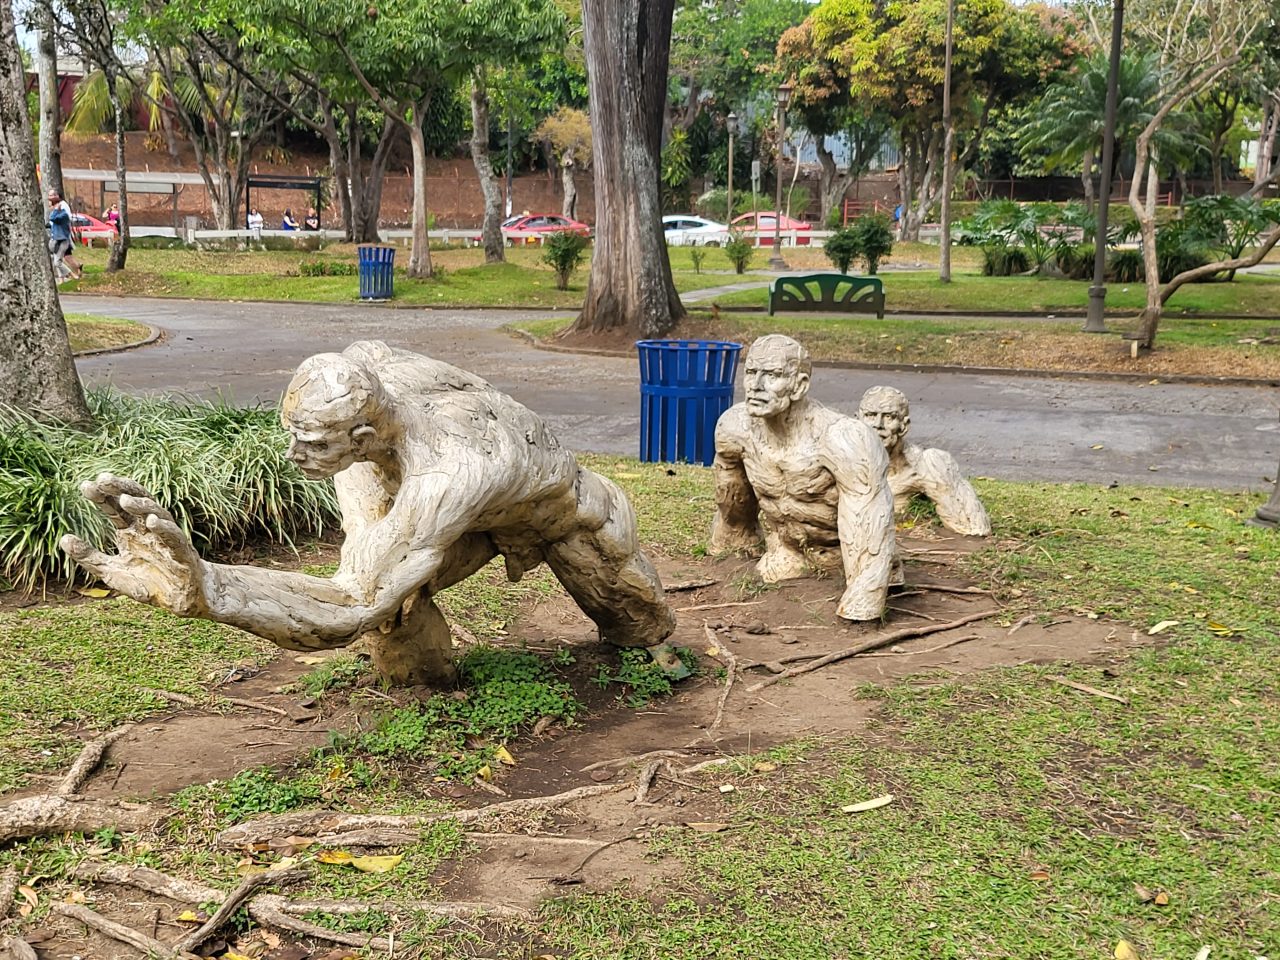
x,y
731,674
873,644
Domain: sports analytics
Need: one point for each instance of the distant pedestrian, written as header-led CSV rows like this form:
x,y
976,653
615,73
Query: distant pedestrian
x,y
254,222
60,245
111,216
312,221
288,223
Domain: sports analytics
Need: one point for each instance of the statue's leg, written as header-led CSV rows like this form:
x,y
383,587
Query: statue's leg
x,y
781,560
605,571
417,646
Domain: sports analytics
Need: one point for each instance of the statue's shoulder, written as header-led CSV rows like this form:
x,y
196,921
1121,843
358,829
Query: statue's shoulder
x,y
733,424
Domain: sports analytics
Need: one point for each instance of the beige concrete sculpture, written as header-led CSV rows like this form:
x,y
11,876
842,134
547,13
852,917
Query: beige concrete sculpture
x,y
810,481
913,470
436,473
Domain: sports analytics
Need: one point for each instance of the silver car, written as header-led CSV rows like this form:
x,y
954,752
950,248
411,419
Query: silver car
x,y
687,230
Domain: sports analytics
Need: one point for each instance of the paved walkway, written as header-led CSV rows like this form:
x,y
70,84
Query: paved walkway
x,y
1008,427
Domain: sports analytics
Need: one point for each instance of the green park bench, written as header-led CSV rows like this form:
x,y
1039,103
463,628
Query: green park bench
x,y
827,292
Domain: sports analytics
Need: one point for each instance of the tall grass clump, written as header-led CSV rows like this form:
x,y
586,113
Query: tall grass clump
x,y
221,471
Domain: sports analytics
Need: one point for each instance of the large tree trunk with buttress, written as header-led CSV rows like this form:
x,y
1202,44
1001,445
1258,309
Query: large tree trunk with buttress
x,y
37,373
491,226
627,45
50,115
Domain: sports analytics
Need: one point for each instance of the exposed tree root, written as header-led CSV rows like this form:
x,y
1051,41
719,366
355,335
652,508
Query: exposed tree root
x,y
635,758
88,761
49,814
268,910
15,948
873,644
731,665
231,903
145,945
8,890
458,911
329,827
149,881
644,782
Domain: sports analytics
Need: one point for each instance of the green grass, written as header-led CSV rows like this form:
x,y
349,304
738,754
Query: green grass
x,y
88,667
970,293
88,331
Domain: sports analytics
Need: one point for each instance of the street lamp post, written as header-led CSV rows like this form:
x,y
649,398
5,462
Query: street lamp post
x,y
782,97
733,125
1094,322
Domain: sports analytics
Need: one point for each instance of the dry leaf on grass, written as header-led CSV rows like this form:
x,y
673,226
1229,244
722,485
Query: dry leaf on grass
x,y
97,593
1040,875
1126,951
1162,626
383,864
504,756
707,826
764,766
866,805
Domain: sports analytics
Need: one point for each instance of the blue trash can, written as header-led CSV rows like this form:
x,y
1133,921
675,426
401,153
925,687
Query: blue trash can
x,y
376,271
684,387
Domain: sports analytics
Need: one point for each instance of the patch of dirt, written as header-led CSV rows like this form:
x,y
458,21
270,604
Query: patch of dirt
x,y
574,849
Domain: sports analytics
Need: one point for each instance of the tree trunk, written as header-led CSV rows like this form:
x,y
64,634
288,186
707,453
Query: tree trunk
x,y
569,183
627,44
371,183
491,226
1145,212
832,185
420,251
341,172
50,115
1267,140
948,174
120,242
37,373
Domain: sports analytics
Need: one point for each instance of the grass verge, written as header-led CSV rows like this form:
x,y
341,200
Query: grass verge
x,y
88,331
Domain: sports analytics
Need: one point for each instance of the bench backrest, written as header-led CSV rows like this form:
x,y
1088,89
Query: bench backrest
x,y
836,292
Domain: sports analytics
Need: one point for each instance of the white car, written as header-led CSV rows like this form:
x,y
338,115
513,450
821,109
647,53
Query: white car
x,y
686,230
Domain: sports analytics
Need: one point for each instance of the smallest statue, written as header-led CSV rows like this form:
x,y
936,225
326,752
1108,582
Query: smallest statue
x,y
913,470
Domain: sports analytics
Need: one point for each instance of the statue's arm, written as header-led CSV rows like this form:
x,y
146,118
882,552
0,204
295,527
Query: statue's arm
x,y
864,517
952,494
736,525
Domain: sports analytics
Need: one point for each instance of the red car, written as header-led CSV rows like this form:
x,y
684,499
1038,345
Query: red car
x,y
87,229
762,222
518,229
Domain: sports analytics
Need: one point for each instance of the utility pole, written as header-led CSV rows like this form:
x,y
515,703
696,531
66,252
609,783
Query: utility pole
x,y
733,123
1094,323
511,135
948,154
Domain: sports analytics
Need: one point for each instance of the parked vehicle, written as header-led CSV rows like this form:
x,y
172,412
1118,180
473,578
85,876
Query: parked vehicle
x,y
517,230
762,222
88,229
687,230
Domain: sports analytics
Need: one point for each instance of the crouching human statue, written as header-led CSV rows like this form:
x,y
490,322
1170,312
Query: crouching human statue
x,y
436,474
912,470
807,480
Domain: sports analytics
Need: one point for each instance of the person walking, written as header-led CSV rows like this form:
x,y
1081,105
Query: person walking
x,y
60,245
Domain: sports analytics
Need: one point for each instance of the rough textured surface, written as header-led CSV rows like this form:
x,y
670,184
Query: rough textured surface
x,y
436,473
913,470
809,481
36,370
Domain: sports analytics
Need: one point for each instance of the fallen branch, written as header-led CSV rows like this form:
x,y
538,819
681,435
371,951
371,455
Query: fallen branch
x,y
147,880
913,613
182,700
268,910
717,606
942,588
231,903
330,827
1085,688
8,890
687,585
941,646
551,838
88,761
250,705
731,665
635,758
47,814
147,946
1029,618
873,644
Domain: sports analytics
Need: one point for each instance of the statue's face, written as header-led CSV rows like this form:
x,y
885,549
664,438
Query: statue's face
x,y
888,420
322,453
772,383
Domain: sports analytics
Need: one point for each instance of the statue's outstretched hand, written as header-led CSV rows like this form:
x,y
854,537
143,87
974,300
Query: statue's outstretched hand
x,y
155,562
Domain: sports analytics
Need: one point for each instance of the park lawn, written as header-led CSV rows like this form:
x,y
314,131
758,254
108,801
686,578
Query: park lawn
x,y
88,331
905,256
1025,812
973,294
463,279
1215,348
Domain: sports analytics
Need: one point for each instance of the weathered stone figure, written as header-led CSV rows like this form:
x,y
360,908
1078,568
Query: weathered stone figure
x,y
913,470
810,481
436,473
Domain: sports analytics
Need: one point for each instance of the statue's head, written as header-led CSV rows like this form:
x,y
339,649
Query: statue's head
x,y
775,375
885,410
332,409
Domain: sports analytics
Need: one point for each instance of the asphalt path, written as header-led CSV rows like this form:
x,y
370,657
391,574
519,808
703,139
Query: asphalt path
x,y
1008,427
